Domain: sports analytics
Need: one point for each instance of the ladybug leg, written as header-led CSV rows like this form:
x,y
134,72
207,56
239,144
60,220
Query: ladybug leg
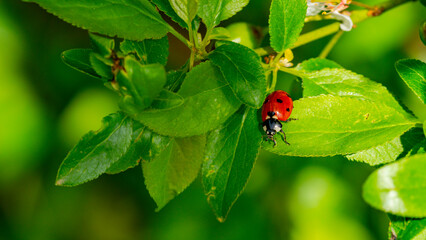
x,y
291,119
284,136
275,141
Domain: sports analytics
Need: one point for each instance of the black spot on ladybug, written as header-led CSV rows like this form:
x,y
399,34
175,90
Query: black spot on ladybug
x,y
279,100
288,109
266,100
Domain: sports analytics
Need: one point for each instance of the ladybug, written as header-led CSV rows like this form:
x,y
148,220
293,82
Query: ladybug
x,y
276,108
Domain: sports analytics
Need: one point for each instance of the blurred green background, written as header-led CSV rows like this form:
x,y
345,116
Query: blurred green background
x,y
45,107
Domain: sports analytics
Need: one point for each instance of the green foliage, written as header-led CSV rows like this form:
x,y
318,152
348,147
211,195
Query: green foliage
x,y
79,59
145,145
241,68
413,72
220,33
167,100
102,45
424,128
407,228
231,151
139,85
166,7
148,51
102,66
285,22
391,150
185,9
173,169
112,18
338,125
341,82
207,104
399,188
96,151
214,11
205,113
317,64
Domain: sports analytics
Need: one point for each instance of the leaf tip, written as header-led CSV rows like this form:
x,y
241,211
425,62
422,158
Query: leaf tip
x,y
159,207
59,182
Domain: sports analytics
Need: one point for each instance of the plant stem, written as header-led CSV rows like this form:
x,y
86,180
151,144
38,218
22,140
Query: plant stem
x,y
276,59
360,4
391,4
179,36
324,53
274,80
192,59
192,48
292,71
206,39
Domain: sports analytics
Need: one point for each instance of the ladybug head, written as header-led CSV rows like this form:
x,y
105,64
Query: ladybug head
x,y
271,127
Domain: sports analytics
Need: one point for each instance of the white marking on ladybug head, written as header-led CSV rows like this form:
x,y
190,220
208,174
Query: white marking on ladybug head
x,y
267,117
277,128
270,133
265,128
275,116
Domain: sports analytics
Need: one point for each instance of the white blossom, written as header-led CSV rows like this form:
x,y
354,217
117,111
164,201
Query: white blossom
x,y
346,24
315,8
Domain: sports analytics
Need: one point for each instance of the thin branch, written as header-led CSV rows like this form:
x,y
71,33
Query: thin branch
x,y
327,49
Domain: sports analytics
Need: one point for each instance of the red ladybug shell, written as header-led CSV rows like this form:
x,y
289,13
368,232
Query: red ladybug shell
x,y
278,102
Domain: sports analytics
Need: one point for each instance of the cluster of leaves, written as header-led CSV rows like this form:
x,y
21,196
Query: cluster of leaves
x,y
205,115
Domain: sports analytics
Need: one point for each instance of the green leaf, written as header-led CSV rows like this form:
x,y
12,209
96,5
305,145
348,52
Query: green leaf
x,y
164,5
79,59
148,51
214,11
175,80
145,145
423,2
102,45
208,102
185,9
167,100
342,82
399,188
419,148
242,69
231,152
413,72
391,150
101,66
317,64
329,125
174,168
139,85
134,20
402,228
286,21
96,151
220,33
